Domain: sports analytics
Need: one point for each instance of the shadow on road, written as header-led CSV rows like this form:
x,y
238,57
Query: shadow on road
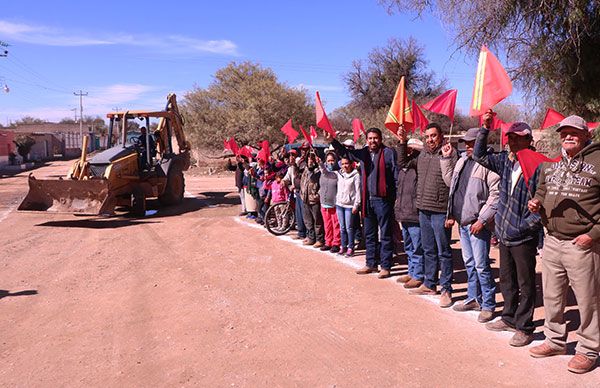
x,y
155,212
95,223
6,293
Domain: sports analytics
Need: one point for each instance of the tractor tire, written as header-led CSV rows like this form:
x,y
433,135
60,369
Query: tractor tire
x,y
175,188
138,203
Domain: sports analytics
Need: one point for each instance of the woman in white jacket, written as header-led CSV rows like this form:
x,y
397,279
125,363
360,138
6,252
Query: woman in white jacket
x,y
347,202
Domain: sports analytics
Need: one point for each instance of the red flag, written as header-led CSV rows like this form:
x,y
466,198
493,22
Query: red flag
x,y
313,133
231,145
530,160
306,135
492,84
246,151
357,128
443,104
592,126
421,121
322,120
265,152
400,111
503,128
552,118
289,131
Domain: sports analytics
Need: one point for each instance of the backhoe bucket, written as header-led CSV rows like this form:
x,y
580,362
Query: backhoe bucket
x,y
68,196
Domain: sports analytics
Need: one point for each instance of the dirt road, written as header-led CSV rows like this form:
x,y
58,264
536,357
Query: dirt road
x,y
194,296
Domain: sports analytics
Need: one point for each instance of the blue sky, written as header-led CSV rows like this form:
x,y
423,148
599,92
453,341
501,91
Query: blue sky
x,y
130,54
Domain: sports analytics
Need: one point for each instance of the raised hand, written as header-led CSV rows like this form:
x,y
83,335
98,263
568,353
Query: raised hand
x,y
447,150
488,118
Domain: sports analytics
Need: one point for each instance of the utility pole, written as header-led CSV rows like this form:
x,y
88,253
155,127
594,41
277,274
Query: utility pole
x,y
80,94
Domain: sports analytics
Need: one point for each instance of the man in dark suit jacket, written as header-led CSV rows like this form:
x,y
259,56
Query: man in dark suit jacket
x,y
378,179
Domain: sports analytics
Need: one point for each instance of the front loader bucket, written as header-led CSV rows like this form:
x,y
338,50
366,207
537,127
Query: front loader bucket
x,y
68,196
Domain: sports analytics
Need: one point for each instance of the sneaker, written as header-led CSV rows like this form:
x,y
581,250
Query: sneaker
x,y
403,279
342,251
446,299
470,306
520,338
367,270
413,283
485,316
499,325
349,253
545,350
384,273
251,217
423,290
580,363
318,244
334,249
308,242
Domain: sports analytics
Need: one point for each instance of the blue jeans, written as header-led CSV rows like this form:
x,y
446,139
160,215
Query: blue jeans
x,y
300,228
476,255
411,234
437,253
379,218
346,229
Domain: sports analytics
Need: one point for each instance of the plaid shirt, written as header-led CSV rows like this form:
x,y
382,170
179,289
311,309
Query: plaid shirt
x,y
515,224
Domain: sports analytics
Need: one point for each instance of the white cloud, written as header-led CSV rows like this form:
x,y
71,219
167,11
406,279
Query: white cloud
x,y
48,36
99,101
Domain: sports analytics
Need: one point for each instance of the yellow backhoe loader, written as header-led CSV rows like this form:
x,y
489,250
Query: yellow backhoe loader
x,y
131,169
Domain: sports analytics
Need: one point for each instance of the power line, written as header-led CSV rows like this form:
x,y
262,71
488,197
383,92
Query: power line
x,y
80,94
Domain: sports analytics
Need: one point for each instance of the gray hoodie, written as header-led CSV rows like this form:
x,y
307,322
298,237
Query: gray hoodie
x,y
348,189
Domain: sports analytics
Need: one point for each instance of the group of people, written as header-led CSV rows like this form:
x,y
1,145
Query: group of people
x,y
425,188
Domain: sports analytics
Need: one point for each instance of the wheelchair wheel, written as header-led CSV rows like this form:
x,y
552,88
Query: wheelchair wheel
x,y
279,218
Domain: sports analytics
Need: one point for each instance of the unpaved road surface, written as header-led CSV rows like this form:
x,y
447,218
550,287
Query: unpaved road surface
x,y
194,296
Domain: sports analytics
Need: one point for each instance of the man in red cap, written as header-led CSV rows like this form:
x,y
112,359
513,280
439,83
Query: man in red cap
x,y
517,230
568,200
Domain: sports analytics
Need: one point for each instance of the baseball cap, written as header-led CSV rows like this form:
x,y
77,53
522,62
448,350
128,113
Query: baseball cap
x,y
519,128
470,135
415,144
573,121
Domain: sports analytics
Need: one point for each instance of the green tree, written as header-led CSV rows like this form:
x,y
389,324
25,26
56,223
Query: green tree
x,y
24,144
29,120
552,46
245,101
373,82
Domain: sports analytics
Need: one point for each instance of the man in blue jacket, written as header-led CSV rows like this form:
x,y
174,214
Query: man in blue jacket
x,y
378,174
517,230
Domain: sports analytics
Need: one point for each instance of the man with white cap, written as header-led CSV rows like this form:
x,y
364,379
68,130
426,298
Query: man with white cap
x,y
517,230
568,198
472,204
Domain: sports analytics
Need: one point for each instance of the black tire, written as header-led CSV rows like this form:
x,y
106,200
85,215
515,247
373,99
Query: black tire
x,y
175,188
283,224
138,203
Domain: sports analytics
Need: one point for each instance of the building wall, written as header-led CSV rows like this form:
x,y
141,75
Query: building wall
x,y
6,145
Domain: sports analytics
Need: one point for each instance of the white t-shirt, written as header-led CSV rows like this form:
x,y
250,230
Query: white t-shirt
x,y
514,178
